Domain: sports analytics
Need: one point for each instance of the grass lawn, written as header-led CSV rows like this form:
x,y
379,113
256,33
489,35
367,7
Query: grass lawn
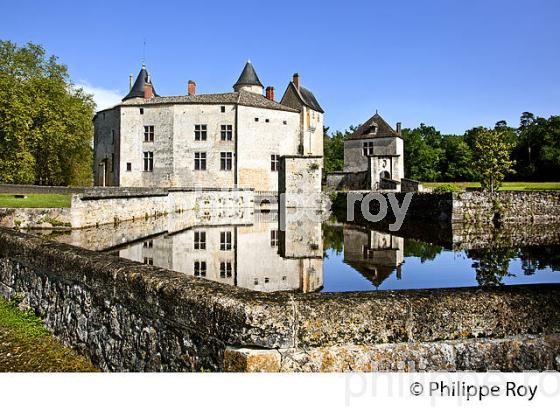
x,y
35,201
26,346
506,186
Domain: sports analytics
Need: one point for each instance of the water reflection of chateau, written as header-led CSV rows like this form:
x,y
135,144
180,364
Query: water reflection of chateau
x,y
376,255
254,256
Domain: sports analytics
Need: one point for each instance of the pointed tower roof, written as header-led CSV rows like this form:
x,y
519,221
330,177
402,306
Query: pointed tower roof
x,y
137,89
375,127
248,76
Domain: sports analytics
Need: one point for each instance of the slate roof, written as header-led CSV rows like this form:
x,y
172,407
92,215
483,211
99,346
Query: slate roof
x,y
309,99
248,76
306,97
366,130
244,98
137,89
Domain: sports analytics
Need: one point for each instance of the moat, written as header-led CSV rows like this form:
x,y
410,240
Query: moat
x,y
318,257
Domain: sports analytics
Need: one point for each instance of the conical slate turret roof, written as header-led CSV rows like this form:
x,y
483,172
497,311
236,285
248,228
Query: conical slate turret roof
x,y
248,76
137,89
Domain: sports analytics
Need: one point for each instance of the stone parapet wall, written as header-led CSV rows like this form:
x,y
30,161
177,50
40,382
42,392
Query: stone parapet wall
x,y
506,206
38,189
129,316
346,181
103,206
472,207
37,218
511,354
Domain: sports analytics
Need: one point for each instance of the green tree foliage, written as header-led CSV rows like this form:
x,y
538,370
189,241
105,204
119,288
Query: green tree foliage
x,y
492,152
333,148
45,121
537,151
422,153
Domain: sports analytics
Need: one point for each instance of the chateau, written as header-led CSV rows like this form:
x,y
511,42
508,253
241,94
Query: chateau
x,y
225,140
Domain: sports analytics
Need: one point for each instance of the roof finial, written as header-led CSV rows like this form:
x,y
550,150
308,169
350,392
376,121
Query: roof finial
x,y
144,54
249,61
376,110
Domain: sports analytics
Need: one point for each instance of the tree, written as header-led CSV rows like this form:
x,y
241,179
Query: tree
x,y
333,150
457,159
422,153
492,152
45,121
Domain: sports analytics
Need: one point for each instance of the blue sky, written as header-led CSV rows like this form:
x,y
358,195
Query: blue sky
x,y
448,63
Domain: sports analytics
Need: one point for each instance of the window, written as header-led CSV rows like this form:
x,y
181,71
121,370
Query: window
x,y
266,280
200,240
112,162
200,132
368,148
267,120
148,161
200,161
226,132
225,269
113,137
226,161
148,261
225,241
148,133
274,162
141,111
284,122
148,244
200,268
274,238
223,108
129,166
256,282
256,119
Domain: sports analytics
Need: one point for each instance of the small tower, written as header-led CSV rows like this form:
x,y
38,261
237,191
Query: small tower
x,y
142,87
248,80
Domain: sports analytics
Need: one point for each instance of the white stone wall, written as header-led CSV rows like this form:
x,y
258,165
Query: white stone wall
x,y
253,142
258,140
300,182
111,209
133,145
185,146
105,124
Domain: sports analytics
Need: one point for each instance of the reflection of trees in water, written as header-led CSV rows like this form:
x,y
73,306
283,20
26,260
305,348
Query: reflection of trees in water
x,y
491,265
333,238
538,258
424,251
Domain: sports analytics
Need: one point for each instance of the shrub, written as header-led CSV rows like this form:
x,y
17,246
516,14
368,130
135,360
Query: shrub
x,y
446,188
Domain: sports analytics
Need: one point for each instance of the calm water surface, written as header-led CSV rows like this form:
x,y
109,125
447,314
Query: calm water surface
x,y
311,257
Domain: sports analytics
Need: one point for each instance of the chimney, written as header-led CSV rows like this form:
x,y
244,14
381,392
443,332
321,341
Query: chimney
x,y
270,93
130,79
192,88
295,80
399,128
148,91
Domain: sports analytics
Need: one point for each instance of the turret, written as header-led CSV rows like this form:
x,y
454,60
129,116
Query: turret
x,y
248,80
142,87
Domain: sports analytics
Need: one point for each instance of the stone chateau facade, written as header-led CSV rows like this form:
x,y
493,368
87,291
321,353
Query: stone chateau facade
x,y
226,140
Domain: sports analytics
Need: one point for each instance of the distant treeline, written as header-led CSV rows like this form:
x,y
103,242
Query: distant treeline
x,y
433,156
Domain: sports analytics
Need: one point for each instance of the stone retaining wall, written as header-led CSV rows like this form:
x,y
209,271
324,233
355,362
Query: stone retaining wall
x,y
506,206
38,189
127,316
473,207
37,218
